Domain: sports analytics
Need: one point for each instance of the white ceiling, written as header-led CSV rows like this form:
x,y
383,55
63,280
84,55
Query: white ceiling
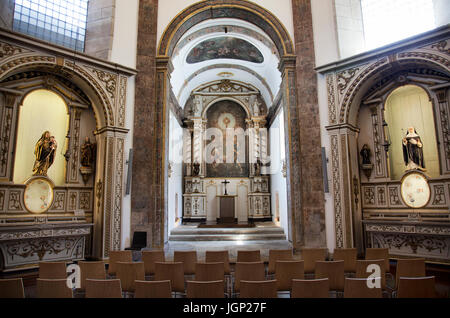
x,y
186,77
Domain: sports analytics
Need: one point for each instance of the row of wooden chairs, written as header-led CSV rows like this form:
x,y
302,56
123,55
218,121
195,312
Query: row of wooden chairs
x,y
418,287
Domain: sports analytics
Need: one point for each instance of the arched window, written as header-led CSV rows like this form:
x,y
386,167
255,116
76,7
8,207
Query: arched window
x,y
42,110
409,106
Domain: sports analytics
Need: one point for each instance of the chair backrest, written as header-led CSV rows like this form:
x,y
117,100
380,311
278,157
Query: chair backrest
x,y
358,288
149,258
334,271
311,288
379,253
91,270
103,288
286,271
219,256
52,270
363,265
209,271
139,240
153,289
205,289
258,289
128,273
249,271
414,267
278,255
248,256
188,258
416,287
311,255
172,271
349,256
53,288
12,288
118,256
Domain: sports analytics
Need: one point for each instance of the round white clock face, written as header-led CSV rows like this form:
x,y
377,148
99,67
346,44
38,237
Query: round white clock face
x,y
38,195
415,190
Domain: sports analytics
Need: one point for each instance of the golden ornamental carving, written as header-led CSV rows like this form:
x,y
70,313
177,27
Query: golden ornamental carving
x,y
7,50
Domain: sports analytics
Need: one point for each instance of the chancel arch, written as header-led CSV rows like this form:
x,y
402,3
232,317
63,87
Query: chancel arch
x,y
274,86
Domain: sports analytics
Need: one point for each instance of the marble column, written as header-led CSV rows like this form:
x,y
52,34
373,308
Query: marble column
x,y
148,168
309,211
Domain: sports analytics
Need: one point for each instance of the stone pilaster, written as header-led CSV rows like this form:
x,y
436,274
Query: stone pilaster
x,y
306,129
148,169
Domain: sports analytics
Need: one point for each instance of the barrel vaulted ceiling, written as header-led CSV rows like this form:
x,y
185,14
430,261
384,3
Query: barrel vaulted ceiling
x,y
225,49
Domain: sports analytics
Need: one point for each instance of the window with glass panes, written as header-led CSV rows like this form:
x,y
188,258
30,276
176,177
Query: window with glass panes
x,y
62,22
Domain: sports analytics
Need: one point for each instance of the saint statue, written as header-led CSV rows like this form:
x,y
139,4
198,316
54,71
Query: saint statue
x,y
365,154
196,169
44,152
257,167
87,153
413,150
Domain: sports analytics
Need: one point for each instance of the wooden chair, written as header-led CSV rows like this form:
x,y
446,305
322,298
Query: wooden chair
x,y
91,270
286,271
149,258
379,253
414,267
249,271
219,256
416,287
349,256
118,256
334,271
128,273
362,266
278,255
153,289
205,289
248,256
358,288
209,271
311,288
258,289
188,258
52,270
53,288
311,255
172,271
12,288
103,288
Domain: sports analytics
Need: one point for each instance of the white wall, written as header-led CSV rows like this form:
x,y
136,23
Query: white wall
x,y
277,180
123,52
441,12
175,186
350,27
168,10
327,51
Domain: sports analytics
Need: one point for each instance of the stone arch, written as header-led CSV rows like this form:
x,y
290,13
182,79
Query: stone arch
x,y
101,105
243,10
222,98
349,103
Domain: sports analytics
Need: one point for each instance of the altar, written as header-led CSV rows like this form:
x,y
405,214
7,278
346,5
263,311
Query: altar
x,y
227,208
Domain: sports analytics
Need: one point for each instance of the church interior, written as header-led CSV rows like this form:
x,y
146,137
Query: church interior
x,y
224,148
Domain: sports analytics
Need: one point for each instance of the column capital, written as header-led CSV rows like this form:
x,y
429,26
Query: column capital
x,y
286,62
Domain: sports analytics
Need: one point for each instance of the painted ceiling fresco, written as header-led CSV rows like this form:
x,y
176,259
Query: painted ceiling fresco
x,y
225,48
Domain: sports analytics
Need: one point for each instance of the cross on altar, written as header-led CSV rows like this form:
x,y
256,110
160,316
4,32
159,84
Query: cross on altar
x,y
225,183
